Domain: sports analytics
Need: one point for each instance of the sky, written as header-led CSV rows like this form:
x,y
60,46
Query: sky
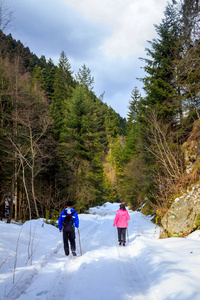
x,y
107,36
33,265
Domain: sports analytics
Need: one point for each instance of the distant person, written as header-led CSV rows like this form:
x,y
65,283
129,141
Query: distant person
x,y
67,222
121,218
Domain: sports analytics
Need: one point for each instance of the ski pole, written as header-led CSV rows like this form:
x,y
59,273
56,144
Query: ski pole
x,y
79,242
127,235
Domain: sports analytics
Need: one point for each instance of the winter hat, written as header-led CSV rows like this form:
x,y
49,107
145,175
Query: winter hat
x,y
69,203
122,206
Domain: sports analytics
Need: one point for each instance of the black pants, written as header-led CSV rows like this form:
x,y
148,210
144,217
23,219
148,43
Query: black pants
x,y
121,234
69,236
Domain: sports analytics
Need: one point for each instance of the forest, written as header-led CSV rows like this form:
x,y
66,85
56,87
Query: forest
x,y
59,141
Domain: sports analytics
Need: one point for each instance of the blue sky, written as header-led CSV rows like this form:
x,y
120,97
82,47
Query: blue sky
x,y
107,36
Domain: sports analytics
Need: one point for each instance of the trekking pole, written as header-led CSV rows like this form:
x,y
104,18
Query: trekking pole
x,y
127,235
79,242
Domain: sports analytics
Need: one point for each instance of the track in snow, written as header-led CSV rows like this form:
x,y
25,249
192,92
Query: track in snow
x,y
105,271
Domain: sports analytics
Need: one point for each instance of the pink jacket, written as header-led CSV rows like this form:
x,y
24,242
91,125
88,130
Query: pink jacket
x,y
121,218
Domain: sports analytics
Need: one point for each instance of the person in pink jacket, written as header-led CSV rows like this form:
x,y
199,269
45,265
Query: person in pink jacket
x,y
121,218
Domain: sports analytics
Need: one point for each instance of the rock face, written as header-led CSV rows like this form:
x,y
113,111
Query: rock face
x,y
183,213
191,149
185,210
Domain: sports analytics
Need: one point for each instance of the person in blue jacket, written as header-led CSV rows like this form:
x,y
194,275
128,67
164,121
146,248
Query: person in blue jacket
x,y
67,222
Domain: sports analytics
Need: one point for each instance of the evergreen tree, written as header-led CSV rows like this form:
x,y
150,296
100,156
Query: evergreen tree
x,y
62,94
84,78
163,97
83,150
49,77
112,124
159,83
190,18
133,108
187,65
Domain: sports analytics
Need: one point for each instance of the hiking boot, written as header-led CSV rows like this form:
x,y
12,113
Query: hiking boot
x,y
124,244
74,253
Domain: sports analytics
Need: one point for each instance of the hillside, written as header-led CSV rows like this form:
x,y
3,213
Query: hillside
x,y
54,132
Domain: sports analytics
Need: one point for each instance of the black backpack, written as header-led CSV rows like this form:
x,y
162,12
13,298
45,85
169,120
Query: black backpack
x,y
68,221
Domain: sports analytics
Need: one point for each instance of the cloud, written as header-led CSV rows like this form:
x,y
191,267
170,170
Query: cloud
x,y
106,35
117,77
130,22
52,26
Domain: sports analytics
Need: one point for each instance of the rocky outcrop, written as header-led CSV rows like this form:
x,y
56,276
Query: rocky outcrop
x,y
191,149
183,214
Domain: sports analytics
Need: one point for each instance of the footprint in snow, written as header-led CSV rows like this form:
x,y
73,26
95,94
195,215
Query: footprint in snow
x,y
42,293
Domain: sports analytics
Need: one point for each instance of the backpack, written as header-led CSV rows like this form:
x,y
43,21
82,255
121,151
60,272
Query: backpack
x,y
68,221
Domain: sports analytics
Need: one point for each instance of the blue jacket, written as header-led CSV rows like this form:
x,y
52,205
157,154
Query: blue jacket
x,y
63,215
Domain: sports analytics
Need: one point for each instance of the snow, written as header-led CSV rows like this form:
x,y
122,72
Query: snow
x,y
33,264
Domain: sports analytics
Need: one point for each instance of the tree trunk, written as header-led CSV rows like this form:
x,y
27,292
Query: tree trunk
x,y
11,196
15,192
25,188
32,173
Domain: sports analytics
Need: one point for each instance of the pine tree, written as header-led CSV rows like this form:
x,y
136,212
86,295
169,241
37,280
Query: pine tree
x,y
62,94
112,124
82,150
163,99
190,18
133,108
84,78
159,83
49,77
187,65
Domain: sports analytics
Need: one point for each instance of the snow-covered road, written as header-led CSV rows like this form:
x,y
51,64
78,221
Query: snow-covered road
x,y
147,268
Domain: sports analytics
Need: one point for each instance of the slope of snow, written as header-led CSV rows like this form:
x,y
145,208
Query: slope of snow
x,y
33,264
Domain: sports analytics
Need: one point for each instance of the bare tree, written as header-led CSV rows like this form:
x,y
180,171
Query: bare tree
x,y
31,144
26,140
168,168
9,93
6,16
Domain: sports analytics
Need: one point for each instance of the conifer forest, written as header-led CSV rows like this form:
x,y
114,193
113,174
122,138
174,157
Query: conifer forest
x,y
59,141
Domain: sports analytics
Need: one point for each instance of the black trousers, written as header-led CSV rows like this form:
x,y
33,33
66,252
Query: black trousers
x,y
69,237
121,234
